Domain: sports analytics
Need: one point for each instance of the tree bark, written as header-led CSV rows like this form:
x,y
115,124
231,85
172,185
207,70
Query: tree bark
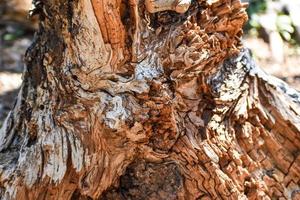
x,y
148,100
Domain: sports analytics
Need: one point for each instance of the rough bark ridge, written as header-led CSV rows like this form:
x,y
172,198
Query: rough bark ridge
x,y
148,100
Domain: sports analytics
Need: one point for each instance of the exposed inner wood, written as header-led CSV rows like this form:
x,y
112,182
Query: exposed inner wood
x,y
180,6
119,100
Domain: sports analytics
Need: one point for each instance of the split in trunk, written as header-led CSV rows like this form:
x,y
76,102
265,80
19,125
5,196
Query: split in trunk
x,y
121,102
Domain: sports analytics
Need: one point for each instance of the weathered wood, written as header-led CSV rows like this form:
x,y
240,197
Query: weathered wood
x,y
121,103
180,6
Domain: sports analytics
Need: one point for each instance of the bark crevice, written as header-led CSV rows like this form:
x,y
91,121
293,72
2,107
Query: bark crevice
x,y
148,107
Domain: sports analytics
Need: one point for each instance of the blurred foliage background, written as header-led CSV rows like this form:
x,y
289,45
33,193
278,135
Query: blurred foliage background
x,y
281,16
273,35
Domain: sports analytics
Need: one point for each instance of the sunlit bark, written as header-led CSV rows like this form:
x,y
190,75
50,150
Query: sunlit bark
x,y
121,102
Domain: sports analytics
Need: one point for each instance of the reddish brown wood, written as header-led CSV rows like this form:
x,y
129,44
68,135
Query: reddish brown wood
x,y
122,103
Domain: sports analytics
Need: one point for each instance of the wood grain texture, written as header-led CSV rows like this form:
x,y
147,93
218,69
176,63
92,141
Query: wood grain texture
x,y
121,103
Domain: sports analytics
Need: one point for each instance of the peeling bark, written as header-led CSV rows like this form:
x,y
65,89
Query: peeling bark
x,y
121,102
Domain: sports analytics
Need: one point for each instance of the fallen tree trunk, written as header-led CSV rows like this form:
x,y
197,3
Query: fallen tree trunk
x,y
148,100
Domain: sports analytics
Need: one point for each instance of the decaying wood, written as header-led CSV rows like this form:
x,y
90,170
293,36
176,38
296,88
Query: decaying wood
x,y
180,6
121,102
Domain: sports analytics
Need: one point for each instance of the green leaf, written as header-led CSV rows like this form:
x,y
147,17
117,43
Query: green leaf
x,y
9,37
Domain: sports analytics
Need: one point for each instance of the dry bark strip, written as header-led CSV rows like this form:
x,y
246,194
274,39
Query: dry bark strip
x,y
121,102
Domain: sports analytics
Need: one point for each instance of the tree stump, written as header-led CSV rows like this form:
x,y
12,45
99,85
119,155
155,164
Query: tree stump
x,y
122,102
